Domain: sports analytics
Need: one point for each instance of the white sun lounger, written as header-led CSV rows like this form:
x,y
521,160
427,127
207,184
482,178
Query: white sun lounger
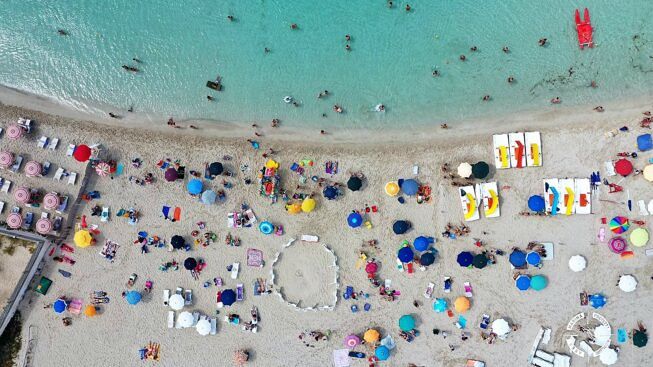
x,y
166,296
72,178
583,199
171,319
309,238
2,206
551,195
17,163
6,186
469,202
196,318
533,149
42,142
567,188
234,270
501,151
517,150
214,326
53,144
71,150
490,194
58,174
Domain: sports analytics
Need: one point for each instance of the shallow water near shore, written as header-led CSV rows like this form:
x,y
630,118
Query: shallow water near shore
x,y
184,44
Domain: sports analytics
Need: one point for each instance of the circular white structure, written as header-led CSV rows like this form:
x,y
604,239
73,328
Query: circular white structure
x,y
203,327
176,302
608,356
577,263
627,283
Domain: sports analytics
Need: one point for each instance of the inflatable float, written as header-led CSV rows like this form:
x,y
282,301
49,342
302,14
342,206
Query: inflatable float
x,y
584,29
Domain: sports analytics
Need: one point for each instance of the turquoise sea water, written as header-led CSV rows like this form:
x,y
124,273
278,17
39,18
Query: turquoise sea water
x,y
185,43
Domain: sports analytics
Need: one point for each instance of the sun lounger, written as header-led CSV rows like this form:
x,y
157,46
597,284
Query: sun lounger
x,y
17,163
2,206
517,150
25,124
429,290
485,321
583,202
179,291
63,204
240,292
490,195
561,360
72,178
6,186
214,326
166,296
104,217
533,149
1,130
58,174
196,318
609,168
309,238
42,142
501,151
27,222
566,187
648,252
71,150
641,204
468,290
45,168
53,144
468,200
171,319
188,297
234,270
56,226
546,337
551,196
474,363
45,215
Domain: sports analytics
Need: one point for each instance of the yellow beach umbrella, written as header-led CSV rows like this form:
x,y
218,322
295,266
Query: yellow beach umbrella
x,y
308,205
271,164
83,238
648,172
639,237
371,336
90,311
461,304
392,188
294,208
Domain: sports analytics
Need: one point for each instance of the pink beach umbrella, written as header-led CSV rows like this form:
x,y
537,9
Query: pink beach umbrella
x,y
371,268
6,159
32,168
50,201
43,226
351,341
22,195
617,244
102,169
14,220
14,132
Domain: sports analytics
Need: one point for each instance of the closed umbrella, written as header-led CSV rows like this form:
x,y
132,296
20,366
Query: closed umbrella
x,y
190,263
523,282
22,195
619,224
185,319
177,242
194,186
392,188
14,132
461,304
14,220
32,168
533,258
427,259
400,226
208,197
539,282
102,169
597,300
228,297
480,170
6,159
405,254
406,323
465,170
43,226
371,336
627,283
308,205
352,340
215,168
203,327
354,183
50,201
500,327
330,192
608,356
410,187
465,259
617,244
640,339
536,203
479,261
639,237
82,153
176,302
517,258
133,297
83,238
648,172
171,174
440,305
354,220
60,306
623,167
577,263
422,243
382,353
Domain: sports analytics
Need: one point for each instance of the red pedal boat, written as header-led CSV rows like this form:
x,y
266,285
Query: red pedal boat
x,y
584,29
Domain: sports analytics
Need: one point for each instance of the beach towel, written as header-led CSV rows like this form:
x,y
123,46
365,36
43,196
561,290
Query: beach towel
x,y
254,257
177,215
119,169
166,212
341,358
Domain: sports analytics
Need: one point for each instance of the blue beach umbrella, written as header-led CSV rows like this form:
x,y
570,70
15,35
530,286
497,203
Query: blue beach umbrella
x,y
354,220
409,187
407,323
427,259
518,258
133,297
533,258
440,305
382,352
400,226
536,203
405,255
330,192
597,300
523,282
208,197
228,297
465,259
266,227
194,186
59,306
422,243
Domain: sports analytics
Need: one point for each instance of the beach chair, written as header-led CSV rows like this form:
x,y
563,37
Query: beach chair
x,y
447,285
468,200
533,149
56,226
468,290
490,194
25,124
42,142
188,297
17,163
63,204
58,174
214,326
517,150
6,186
53,144
29,219
501,151
551,196
166,296
179,291
566,187
45,215
240,296
71,150
309,238
72,178
2,206
583,196
196,318
474,363
104,217
171,319
45,168
234,270
429,290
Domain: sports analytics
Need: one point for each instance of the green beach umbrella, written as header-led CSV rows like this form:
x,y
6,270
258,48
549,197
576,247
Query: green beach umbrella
x,y
640,339
639,237
407,323
538,282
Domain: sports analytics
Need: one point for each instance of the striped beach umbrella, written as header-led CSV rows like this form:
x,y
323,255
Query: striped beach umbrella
x,y
32,168
617,244
14,132
50,200
14,220
619,224
6,159
43,226
102,169
22,195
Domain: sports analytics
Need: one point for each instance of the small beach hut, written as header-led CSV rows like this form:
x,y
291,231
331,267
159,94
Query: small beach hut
x,y
171,175
382,352
392,188
517,258
405,254
90,311
427,259
639,237
640,339
354,220
194,186
539,282
203,327
82,153
176,302
422,243
177,242
59,306
406,323
83,238
308,205
577,263
627,283
597,300
479,261
185,319
440,305
461,304
190,263
536,203
480,170
330,192
228,297
354,183
208,197
371,336
465,170
352,340
400,226
215,168
523,282
608,356
500,327
410,187
465,259
133,297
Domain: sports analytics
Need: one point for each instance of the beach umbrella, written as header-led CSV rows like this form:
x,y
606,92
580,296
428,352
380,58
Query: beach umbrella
x,y
409,187
241,357
640,339
405,254
208,197
133,297
60,306
194,186
171,174
82,153
371,336
645,142
619,224
50,201
623,167
597,300
14,132
271,164
440,305
536,203
461,304
500,327
382,353
90,311
608,356
215,168
648,172
602,334
523,282
617,244
539,282
392,188
352,340
422,243
627,283
266,227
14,220
32,168
22,195
330,192
465,170
406,323
190,263
533,258
465,259
354,220
639,237
354,183
102,169
83,238
228,297
308,205
371,268
400,226
176,302
43,226
185,319
177,242
427,259
480,170
6,159
517,258
577,263
294,208
479,261
203,327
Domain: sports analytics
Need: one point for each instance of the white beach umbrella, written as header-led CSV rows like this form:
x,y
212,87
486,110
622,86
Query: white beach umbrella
x,y
185,319
465,170
176,302
602,334
627,283
577,263
608,356
500,327
203,327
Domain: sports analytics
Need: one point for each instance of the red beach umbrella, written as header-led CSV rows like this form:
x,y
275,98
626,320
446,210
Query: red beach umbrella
x,y
371,268
623,167
82,153
43,226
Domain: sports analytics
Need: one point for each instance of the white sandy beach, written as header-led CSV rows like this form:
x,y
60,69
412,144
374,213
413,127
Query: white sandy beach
x,y
574,145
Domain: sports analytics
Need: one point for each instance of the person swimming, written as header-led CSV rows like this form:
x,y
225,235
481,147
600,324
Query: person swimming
x,y
542,42
337,108
293,26
556,100
62,32
473,49
408,8
599,109
113,115
390,4
347,47
323,94
266,50
462,58
130,68
210,98
231,18
506,49
486,97
379,108
435,73
511,79
347,37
